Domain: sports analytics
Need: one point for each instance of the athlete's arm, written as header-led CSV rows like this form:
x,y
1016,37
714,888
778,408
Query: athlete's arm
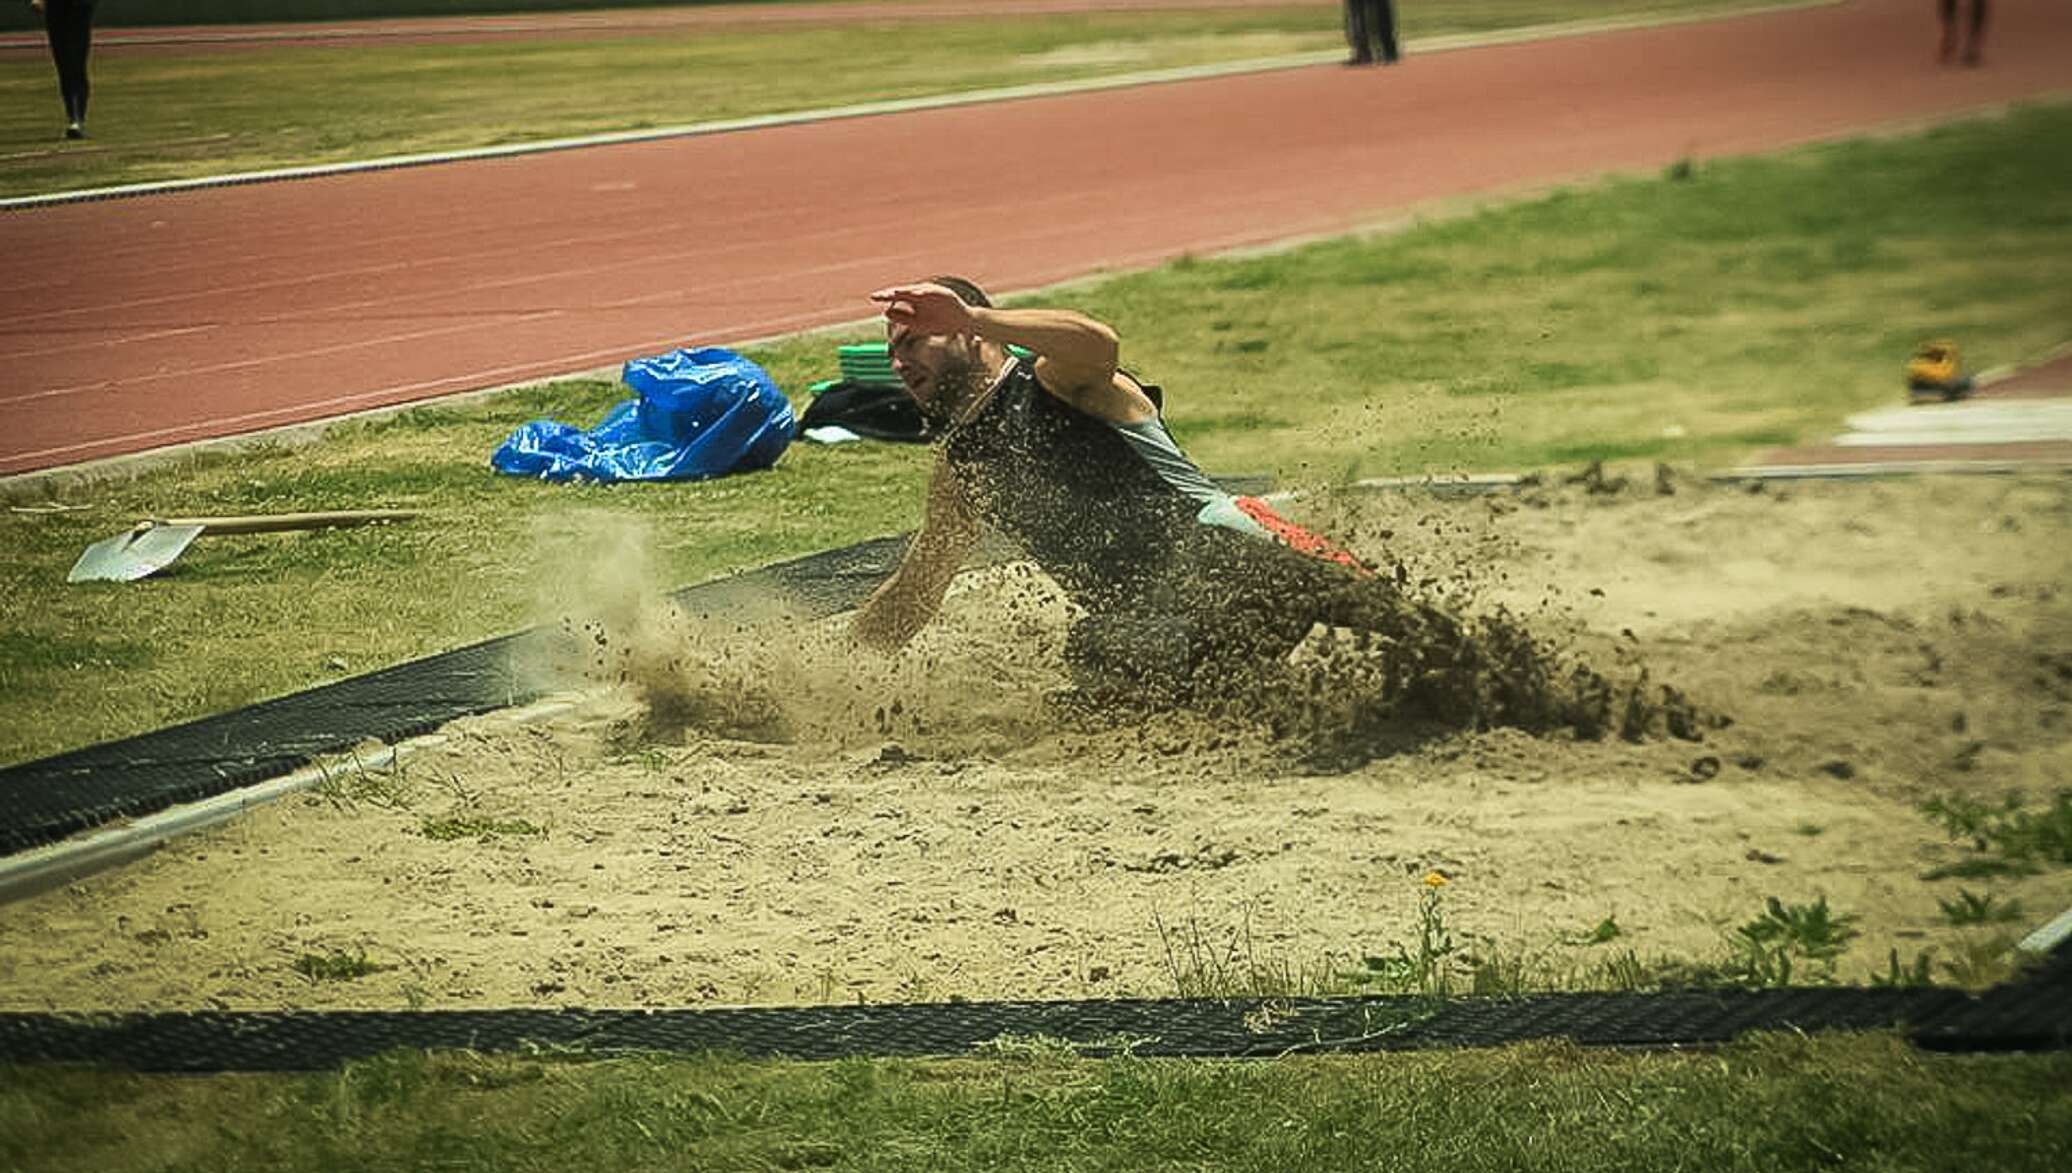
x,y
905,602
1075,355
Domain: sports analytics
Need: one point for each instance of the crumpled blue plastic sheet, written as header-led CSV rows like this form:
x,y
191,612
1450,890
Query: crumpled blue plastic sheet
x,y
697,413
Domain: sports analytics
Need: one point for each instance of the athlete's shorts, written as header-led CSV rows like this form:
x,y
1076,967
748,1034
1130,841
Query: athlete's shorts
x,y
1244,588
1255,518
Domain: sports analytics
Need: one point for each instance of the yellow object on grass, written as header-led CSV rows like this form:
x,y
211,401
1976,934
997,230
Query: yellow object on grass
x,y
1934,367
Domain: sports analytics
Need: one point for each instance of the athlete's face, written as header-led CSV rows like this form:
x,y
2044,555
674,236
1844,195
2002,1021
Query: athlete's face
x,y
940,371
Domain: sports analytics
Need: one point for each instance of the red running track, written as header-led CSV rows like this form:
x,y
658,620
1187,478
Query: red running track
x,y
132,324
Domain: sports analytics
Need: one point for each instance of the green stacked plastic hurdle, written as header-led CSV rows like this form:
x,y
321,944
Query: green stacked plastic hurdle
x,y
868,363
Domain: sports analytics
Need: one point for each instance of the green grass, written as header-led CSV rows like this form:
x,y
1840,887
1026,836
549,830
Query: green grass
x,y
177,12
163,116
1684,321
1764,1104
1782,945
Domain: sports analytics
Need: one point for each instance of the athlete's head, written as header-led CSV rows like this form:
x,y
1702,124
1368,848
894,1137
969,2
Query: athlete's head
x,y
942,372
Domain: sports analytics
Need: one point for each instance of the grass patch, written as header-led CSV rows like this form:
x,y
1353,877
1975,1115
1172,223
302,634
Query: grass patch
x,y
1782,945
337,966
2006,835
1971,908
54,652
348,789
1765,1103
1402,354
478,827
163,116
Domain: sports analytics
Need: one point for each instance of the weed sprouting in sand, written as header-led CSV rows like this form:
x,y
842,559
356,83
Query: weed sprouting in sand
x,y
383,787
1785,939
1971,908
1603,932
478,827
1434,962
1911,974
2009,837
1201,963
337,965
1785,944
1982,867
1985,961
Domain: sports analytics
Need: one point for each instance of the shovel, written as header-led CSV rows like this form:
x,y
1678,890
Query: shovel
x,y
153,544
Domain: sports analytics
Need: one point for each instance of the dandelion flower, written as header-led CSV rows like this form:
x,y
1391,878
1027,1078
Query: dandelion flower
x,y
1436,879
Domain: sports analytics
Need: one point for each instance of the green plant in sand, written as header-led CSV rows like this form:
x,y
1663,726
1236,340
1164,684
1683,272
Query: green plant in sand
x,y
1897,975
1605,931
450,827
1971,908
348,787
337,965
1785,939
2009,837
1991,960
1434,961
1201,963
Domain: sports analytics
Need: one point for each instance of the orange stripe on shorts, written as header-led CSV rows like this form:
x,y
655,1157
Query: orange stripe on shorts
x,y
1298,539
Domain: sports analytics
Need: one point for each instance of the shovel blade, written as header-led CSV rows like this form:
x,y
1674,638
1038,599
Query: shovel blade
x,y
131,556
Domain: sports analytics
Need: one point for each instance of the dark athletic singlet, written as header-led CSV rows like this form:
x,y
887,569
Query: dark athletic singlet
x,y
1100,506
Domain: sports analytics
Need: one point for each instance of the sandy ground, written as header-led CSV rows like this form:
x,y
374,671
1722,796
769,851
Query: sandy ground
x,y
1873,645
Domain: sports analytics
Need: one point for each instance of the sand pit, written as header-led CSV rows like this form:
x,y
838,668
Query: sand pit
x,y
1872,645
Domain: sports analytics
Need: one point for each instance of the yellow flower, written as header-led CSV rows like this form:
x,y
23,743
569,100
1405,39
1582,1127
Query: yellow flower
x,y
1436,879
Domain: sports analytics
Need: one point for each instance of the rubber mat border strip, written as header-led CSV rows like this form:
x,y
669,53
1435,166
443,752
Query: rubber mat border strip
x,y
317,1040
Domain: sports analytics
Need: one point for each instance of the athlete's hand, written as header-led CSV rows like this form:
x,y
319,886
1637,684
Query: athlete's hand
x,y
925,309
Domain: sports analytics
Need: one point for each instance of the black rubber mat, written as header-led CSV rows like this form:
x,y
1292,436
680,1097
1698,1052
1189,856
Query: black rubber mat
x,y
314,1040
46,800
2031,1015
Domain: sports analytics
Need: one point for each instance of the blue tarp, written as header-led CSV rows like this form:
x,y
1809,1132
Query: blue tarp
x,y
697,413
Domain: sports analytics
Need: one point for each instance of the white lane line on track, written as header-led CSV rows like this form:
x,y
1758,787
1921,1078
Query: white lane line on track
x,y
416,260
297,356
2018,421
1426,45
98,344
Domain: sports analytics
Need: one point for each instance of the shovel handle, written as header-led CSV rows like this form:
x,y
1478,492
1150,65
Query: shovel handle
x,y
277,522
